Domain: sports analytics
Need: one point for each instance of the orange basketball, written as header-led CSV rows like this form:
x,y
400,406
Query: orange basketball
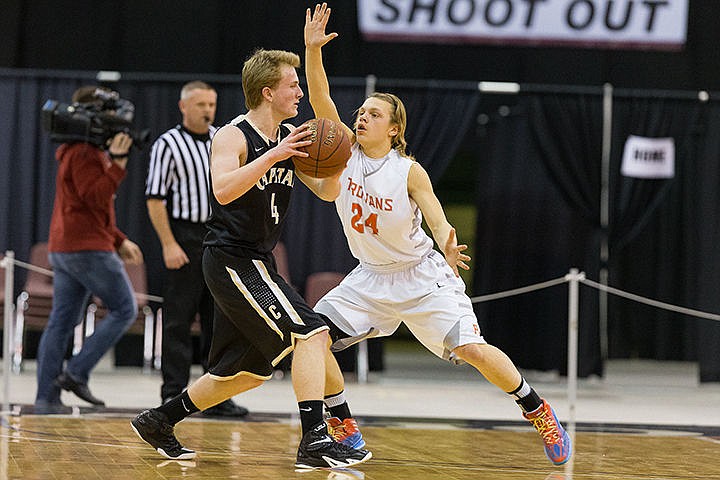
x,y
329,151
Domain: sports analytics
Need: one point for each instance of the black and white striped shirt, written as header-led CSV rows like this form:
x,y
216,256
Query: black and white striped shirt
x,y
179,173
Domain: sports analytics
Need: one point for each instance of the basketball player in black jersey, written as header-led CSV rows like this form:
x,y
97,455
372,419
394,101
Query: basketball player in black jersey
x,y
259,318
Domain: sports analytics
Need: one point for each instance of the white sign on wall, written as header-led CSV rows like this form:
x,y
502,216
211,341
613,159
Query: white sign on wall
x,y
646,157
640,24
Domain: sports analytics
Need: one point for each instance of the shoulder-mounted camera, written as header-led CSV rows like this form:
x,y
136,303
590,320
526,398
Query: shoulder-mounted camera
x,y
93,122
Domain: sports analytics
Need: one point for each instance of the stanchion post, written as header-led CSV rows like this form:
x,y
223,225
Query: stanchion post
x,y
362,362
573,278
8,264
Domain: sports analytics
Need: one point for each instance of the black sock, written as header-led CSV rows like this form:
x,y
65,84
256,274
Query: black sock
x,y
178,408
526,397
311,413
338,406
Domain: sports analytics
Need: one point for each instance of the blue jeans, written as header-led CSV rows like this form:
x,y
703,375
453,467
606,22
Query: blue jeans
x,y
77,276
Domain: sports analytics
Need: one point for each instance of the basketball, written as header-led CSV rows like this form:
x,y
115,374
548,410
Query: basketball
x,y
329,151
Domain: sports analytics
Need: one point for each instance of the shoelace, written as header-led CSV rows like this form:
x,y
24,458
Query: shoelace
x,y
546,428
344,429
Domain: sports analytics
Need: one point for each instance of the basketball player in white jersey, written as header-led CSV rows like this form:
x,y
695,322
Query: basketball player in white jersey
x,y
384,195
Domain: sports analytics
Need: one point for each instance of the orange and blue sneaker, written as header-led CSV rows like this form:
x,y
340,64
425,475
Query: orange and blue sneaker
x,y
346,432
558,446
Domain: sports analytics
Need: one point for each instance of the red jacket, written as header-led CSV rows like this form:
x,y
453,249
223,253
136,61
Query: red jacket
x,y
83,216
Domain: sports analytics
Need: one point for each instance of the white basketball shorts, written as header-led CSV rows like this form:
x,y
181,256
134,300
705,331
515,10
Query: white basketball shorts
x,y
427,297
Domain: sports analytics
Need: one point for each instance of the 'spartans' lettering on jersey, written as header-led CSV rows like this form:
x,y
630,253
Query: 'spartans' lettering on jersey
x,y
280,175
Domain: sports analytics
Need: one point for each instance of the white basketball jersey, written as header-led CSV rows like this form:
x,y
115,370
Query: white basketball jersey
x,y
382,223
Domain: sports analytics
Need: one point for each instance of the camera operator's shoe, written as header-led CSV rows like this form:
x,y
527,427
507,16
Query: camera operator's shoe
x,y
319,450
345,431
51,408
154,427
72,384
558,447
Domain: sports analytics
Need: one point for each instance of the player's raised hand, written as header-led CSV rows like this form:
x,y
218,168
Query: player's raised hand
x,y
315,23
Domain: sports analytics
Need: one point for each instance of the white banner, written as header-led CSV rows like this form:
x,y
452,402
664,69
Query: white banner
x,y
639,24
645,157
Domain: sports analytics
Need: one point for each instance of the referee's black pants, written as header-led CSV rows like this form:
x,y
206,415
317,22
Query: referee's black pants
x,y
185,296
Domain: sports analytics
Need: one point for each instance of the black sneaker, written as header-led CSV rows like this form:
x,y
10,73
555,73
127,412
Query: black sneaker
x,y
154,427
319,450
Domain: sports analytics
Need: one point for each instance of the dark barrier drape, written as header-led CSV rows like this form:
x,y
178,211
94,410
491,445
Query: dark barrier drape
x,y
639,259
539,188
536,182
528,232
675,256
438,118
568,132
704,259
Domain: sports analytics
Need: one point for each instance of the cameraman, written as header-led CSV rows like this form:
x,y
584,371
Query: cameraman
x,y
86,249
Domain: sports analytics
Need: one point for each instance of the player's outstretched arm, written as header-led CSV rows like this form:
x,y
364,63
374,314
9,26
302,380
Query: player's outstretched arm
x,y
327,189
318,85
420,189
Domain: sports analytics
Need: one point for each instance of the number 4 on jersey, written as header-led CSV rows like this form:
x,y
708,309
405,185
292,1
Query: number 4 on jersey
x,y
358,223
274,210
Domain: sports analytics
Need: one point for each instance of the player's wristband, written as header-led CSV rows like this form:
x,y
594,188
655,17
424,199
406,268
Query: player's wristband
x,y
115,156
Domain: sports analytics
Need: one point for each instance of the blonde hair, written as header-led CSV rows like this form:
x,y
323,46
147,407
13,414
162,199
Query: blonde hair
x,y
398,116
263,69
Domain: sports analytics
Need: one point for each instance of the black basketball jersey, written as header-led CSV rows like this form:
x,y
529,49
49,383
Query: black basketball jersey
x,y
251,225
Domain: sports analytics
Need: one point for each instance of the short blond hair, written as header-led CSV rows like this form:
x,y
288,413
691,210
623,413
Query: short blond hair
x,y
263,69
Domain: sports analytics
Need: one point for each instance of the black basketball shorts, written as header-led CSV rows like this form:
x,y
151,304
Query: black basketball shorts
x,y
258,316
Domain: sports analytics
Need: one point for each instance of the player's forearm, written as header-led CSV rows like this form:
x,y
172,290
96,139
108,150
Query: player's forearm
x,y
231,185
318,85
327,189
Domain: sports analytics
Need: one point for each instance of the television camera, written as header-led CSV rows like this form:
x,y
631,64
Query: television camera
x,y
93,122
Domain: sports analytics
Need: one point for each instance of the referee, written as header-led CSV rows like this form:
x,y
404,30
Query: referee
x,y
177,203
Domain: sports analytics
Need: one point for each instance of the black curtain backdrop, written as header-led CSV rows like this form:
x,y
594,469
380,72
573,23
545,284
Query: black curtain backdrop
x,y
706,234
674,258
538,214
655,216
528,231
537,197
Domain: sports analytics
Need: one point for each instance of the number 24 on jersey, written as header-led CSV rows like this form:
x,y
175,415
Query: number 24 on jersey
x,y
359,224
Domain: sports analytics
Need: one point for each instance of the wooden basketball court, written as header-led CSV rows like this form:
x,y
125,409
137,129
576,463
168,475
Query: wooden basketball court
x,y
89,446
